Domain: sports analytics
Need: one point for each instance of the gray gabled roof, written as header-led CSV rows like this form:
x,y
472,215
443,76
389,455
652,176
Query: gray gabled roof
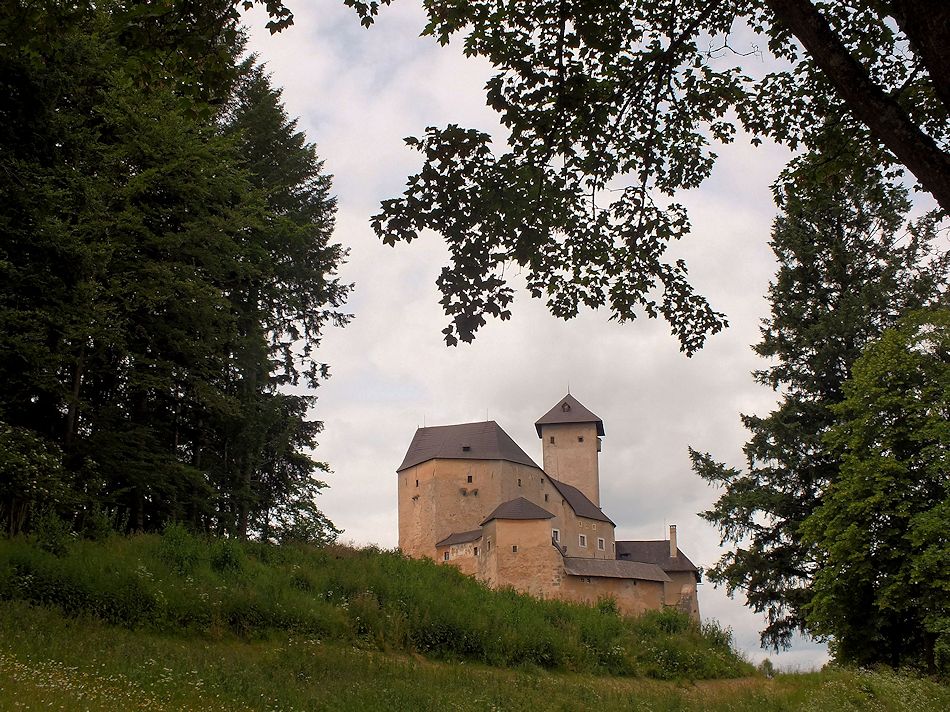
x,y
519,508
569,410
655,552
461,538
484,441
582,506
611,568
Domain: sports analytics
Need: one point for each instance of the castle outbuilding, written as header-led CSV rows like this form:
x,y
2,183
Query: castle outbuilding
x,y
470,497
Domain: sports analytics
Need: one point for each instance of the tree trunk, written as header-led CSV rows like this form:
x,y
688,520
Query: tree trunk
x,y
886,119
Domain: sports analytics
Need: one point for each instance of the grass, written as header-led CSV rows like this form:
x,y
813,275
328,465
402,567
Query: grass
x,y
371,599
49,661
181,623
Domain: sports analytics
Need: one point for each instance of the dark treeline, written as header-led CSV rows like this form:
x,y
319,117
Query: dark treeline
x,y
166,270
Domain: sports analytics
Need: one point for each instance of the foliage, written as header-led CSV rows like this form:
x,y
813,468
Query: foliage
x,y
166,266
31,475
883,588
186,584
611,110
848,269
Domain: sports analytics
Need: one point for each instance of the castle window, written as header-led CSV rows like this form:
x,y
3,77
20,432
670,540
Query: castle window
x,y
476,551
552,439
489,545
466,448
580,438
445,556
545,496
519,482
469,480
556,535
601,544
514,548
417,483
582,540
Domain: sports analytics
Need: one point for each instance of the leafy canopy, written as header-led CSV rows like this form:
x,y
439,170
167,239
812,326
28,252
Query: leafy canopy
x,y
613,108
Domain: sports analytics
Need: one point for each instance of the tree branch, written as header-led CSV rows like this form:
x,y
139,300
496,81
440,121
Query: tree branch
x,y
886,119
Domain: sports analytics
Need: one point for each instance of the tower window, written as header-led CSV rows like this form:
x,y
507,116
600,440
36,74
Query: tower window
x,y
601,544
514,548
519,482
476,551
469,479
582,540
417,483
552,439
445,556
556,535
580,438
545,496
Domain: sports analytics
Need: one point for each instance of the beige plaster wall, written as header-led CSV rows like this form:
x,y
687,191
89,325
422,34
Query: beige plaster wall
x,y
682,592
461,556
569,460
535,568
444,502
633,597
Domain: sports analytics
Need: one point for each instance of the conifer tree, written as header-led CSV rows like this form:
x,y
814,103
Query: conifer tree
x,y
848,269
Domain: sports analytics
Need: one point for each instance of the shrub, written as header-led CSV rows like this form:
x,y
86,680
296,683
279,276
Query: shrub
x,y
179,549
227,556
53,534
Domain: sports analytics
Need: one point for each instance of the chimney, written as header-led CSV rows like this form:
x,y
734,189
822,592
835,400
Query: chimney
x,y
673,549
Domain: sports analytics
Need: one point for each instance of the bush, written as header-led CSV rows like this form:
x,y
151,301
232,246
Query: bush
x,y
179,549
52,533
227,556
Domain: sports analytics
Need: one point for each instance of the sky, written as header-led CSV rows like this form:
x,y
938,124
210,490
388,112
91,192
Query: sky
x,y
358,92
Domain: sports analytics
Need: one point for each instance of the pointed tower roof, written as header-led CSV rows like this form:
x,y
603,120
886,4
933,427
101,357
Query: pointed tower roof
x,y
468,441
569,410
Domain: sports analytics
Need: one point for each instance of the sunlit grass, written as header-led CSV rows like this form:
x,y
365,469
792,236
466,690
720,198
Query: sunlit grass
x,y
51,662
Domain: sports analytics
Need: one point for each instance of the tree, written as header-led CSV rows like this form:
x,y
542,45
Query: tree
x,y
848,270
611,109
882,591
166,266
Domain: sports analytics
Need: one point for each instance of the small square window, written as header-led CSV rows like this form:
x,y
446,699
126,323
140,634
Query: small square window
x,y
514,549
582,540
466,448
445,556
580,438
469,479
601,544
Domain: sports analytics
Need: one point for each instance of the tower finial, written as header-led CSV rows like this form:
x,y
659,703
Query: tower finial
x,y
568,387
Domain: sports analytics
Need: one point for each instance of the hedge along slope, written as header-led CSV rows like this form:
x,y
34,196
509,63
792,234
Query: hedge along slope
x,y
180,583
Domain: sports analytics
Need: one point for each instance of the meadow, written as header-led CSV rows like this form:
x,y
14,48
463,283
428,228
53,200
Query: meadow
x,y
182,622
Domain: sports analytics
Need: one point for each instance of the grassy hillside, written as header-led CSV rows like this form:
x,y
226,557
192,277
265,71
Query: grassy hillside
x,y
372,599
173,622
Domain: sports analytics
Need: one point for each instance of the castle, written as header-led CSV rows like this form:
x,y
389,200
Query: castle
x,y
471,498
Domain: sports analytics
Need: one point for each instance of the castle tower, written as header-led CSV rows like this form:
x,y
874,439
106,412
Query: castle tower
x,y
570,439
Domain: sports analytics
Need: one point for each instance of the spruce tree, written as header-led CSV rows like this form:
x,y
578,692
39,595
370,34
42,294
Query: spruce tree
x,y
849,267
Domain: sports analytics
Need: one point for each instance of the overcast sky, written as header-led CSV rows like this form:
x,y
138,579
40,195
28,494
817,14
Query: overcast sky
x,y
358,93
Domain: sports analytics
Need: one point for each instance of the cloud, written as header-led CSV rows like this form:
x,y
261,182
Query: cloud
x,y
358,93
